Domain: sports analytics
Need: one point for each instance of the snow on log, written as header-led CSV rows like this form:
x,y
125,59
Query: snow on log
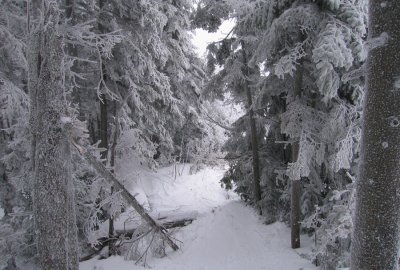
x,y
167,220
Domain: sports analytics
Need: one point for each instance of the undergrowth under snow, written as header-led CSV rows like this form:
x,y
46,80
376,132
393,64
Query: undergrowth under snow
x,y
226,235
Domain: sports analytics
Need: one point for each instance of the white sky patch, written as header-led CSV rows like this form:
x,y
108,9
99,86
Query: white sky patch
x,y
231,110
202,38
263,70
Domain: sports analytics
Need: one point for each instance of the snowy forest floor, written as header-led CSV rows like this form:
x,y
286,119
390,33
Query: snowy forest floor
x,y
227,234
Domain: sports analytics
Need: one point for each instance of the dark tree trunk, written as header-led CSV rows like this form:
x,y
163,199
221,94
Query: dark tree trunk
x,y
295,209
7,190
103,126
34,60
103,134
103,123
112,164
254,146
375,241
253,131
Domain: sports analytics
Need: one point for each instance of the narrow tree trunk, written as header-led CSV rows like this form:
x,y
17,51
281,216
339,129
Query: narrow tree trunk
x,y
253,131
73,51
103,127
53,191
103,134
34,59
295,210
375,241
112,164
8,190
254,146
295,214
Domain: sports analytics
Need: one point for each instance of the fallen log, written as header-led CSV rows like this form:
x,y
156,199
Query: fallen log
x,y
102,170
176,219
167,225
167,222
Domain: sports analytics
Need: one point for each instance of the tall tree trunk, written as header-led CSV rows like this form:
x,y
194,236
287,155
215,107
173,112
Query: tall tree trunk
x,y
295,210
375,241
53,191
112,164
103,127
7,190
34,59
253,131
104,134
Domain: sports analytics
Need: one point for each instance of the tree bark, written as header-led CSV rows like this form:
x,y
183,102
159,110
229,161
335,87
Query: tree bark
x,y
112,164
295,210
103,127
103,132
253,131
7,192
53,191
34,65
375,240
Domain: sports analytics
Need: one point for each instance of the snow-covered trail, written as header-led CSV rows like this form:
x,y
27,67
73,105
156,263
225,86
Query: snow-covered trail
x,y
226,235
233,237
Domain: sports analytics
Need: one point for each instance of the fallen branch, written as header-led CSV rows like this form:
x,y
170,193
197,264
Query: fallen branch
x,y
167,223
101,169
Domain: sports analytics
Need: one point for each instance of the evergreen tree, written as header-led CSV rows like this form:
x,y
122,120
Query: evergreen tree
x,y
325,39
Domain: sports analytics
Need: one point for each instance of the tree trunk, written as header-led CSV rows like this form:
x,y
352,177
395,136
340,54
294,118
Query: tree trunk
x,y
53,191
103,134
103,127
375,241
295,210
253,131
112,164
34,59
7,191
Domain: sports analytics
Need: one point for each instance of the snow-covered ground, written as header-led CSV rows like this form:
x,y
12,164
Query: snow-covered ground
x,y
226,235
